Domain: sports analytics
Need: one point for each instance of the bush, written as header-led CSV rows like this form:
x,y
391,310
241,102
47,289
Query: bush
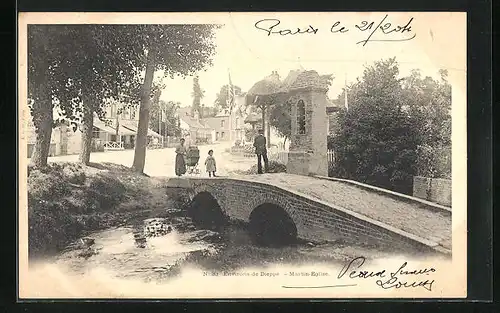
x,y
66,199
434,162
274,167
51,226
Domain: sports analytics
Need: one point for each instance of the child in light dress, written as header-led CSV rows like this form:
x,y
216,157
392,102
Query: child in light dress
x,y
210,164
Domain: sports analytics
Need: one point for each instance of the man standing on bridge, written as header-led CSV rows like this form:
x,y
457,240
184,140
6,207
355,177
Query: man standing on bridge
x,y
260,149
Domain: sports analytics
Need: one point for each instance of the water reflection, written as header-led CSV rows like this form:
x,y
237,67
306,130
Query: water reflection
x,y
159,248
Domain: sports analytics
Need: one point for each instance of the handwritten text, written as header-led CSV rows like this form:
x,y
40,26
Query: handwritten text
x,y
381,30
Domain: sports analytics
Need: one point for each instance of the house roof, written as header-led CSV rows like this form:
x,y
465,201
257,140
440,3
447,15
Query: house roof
x,y
124,131
214,122
132,126
298,79
102,126
191,121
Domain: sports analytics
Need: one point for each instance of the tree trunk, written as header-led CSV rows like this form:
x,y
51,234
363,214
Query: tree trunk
x,y
42,119
142,128
268,125
87,126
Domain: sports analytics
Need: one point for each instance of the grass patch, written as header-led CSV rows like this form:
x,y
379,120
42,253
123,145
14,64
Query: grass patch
x,y
66,200
273,167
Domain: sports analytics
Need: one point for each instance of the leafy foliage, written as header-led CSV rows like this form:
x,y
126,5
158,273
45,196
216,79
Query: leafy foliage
x,y
67,200
221,99
88,63
177,50
81,68
170,123
388,121
274,167
197,94
430,102
281,118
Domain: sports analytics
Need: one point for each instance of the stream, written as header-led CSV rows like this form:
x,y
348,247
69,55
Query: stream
x,y
160,248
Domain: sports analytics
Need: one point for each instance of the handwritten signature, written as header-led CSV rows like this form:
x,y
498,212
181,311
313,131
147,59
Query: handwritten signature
x,y
382,28
400,278
388,280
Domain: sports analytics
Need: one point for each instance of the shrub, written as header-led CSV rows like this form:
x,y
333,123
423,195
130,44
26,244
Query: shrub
x,y
51,226
274,167
105,191
59,194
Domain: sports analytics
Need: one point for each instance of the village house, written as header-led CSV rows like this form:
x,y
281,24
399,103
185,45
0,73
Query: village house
x,y
229,126
122,132
117,133
57,139
226,126
194,128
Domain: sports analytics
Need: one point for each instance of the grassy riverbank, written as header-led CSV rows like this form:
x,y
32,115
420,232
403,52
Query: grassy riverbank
x,y
67,200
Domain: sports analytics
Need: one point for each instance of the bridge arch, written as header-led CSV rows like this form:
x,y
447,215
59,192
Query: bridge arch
x,y
277,200
206,212
270,225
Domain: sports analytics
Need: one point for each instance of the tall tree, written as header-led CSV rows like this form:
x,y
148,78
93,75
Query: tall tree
x,y
197,95
87,65
377,139
221,99
101,70
429,103
395,128
169,124
45,50
281,118
176,49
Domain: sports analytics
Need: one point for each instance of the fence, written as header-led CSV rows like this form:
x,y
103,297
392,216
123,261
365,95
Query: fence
x,y
282,156
331,156
113,145
277,154
157,145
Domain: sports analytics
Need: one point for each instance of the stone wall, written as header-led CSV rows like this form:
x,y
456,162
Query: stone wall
x,y
297,163
314,220
310,147
433,189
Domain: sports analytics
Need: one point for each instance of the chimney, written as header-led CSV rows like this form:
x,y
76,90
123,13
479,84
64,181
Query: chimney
x,y
274,75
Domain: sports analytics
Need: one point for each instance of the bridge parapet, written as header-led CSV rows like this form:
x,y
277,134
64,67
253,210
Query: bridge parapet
x,y
315,218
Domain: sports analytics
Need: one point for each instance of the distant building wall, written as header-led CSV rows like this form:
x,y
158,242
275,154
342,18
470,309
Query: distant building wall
x,y
55,140
74,141
436,190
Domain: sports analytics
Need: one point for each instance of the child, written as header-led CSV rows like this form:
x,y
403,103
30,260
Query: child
x,y
210,164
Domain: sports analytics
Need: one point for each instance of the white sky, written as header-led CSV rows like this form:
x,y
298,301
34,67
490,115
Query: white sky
x,y
250,54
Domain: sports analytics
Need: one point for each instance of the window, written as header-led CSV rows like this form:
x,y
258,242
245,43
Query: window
x,y
217,136
113,138
96,133
301,117
132,113
222,124
222,135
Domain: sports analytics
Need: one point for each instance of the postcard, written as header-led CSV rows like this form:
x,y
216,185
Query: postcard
x,y
242,155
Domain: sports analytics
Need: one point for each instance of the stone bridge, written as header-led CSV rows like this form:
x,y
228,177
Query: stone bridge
x,y
318,209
